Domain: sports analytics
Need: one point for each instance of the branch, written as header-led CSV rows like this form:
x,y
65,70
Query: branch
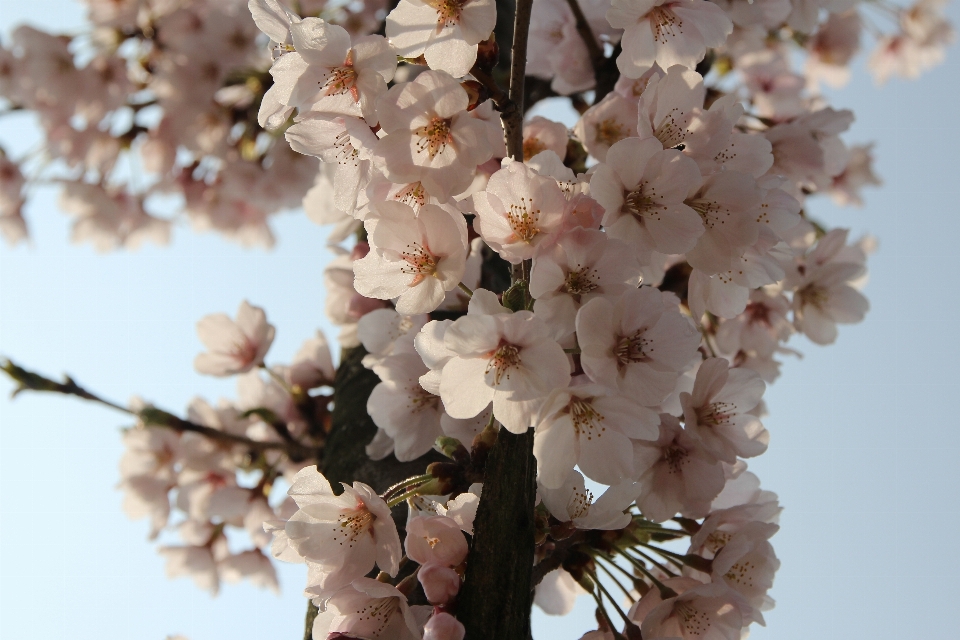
x,y
583,28
151,416
518,70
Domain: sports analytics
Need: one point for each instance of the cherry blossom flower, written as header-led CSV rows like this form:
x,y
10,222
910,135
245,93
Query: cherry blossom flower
x,y
858,173
445,32
327,73
583,264
343,536
572,502
588,427
403,409
431,138
443,626
718,411
642,187
367,609
540,134
666,32
557,593
747,564
699,612
607,123
312,365
729,204
234,346
507,359
824,296
518,211
346,142
435,540
677,474
441,584
637,345
416,256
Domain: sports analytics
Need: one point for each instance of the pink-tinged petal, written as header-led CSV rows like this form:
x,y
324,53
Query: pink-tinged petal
x,y
711,377
709,19
605,456
319,42
554,446
516,416
408,27
450,53
462,389
675,229
477,20
631,157
640,51
374,53
423,297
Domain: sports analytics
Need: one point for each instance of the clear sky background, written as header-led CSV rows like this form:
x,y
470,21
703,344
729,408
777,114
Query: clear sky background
x,y
865,450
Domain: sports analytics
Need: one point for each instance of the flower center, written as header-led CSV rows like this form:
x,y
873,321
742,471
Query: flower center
x,y
715,414
694,622
674,457
353,524
380,610
523,219
586,420
580,281
448,12
346,154
609,132
421,400
741,574
635,348
434,137
420,263
412,195
665,24
814,295
671,131
532,147
506,357
642,202
580,503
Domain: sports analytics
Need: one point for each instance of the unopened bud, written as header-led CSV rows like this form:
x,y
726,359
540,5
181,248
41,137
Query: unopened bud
x,y
452,448
488,55
476,93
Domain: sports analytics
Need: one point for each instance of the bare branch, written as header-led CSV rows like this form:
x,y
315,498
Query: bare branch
x,y
151,416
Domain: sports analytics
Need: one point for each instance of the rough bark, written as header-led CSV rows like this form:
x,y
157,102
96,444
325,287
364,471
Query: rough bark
x,y
497,593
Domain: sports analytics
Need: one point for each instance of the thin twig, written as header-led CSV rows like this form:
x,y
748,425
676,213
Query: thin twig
x,y
583,28
151,416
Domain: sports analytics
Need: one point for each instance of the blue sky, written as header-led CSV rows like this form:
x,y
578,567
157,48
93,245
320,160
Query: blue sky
x,y
865,449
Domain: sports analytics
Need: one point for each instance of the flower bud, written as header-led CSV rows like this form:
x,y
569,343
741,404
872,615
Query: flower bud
x,y
440,584
443,626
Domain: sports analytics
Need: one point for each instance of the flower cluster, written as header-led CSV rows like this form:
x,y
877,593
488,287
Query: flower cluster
x,y
617,288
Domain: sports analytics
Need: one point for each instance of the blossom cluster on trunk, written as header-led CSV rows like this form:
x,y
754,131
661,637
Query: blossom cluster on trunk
x,y
660,255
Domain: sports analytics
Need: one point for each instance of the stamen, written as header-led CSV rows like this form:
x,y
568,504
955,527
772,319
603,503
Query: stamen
x,y
434,137
635,348
586,420
506,357
523,219
665,23
420,263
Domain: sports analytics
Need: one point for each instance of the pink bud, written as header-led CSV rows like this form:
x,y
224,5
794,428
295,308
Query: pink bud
x,y
359,250
443,626
440,584
436,540
360,306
